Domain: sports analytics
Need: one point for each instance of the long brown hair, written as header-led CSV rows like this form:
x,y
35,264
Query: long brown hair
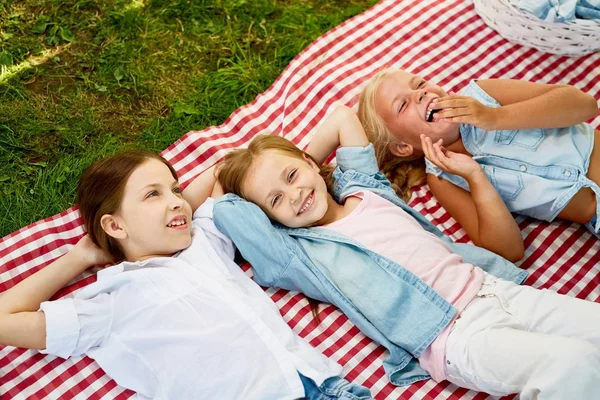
x,y
100,191
233,171
403,173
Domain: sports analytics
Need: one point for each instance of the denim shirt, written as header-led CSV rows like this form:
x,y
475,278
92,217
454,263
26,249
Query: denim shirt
x,y
562,11
535,171
384,300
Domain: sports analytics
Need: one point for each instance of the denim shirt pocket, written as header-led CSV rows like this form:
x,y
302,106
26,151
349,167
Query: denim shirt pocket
x,y
509,184
527,138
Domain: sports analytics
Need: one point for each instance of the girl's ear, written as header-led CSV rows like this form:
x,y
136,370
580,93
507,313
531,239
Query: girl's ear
x,y
111,226
401,149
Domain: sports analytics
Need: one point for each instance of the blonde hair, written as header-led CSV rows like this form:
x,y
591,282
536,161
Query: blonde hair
x,y
403,173
233,170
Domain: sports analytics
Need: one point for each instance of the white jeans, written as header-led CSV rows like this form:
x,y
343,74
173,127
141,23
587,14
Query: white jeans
x,y
517,339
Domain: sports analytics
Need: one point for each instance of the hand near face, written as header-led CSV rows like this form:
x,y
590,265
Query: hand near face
x,y
90,254
449,161
464,110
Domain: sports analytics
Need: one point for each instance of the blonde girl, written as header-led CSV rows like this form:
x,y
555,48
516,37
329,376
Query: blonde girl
x,y
428,300
175,318
529,140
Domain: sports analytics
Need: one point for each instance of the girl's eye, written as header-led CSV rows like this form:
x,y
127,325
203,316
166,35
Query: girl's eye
x,y
152,194
275,200
292,175
177,190
402,107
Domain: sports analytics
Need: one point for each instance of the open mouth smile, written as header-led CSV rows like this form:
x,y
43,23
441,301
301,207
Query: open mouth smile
x,y
178,223
307,205
430,115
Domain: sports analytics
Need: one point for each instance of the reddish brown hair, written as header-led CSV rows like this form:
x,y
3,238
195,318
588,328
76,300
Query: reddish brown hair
x,y
233,171
100,192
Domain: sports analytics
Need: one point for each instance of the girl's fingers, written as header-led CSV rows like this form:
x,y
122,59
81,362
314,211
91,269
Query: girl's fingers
x,y
456,120
453,112
447,107
441,157
428,150
439,152
427,147
448,102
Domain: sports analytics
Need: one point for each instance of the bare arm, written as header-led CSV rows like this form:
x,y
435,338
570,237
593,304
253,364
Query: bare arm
x,y
21,324
524,105
202,187
341,128
482,212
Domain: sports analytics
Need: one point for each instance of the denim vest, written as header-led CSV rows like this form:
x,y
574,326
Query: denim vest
x,y
535,171
384,300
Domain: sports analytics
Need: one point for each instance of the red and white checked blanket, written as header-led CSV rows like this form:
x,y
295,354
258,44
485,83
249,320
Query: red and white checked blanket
x,y
444,41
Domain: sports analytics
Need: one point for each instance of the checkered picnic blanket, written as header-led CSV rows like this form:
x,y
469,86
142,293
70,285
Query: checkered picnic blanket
x,y
444,41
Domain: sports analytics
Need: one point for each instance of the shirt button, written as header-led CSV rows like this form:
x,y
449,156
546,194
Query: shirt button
x,y
523,168
448,362
567,174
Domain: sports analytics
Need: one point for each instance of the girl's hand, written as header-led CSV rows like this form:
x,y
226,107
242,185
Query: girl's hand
x,y
449,161
465,110
89,254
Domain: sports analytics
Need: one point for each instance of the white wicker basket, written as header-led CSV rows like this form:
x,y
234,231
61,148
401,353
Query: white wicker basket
x,y
574,39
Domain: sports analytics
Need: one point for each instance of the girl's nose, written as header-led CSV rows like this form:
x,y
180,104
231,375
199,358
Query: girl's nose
x,y
419,95
176,201
295,195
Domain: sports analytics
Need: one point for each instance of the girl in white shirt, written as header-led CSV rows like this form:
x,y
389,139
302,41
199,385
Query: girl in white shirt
x,y
176,318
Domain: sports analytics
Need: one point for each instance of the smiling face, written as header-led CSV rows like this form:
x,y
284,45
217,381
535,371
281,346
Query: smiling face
x,y
288,189
401,100
153,218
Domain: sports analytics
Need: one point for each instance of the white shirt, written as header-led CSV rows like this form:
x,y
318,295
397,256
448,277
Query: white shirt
x,y
190,326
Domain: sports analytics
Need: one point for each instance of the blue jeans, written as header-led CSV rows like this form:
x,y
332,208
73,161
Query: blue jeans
x,y
334,388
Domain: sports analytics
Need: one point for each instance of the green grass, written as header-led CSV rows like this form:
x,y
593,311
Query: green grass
x,y
83,79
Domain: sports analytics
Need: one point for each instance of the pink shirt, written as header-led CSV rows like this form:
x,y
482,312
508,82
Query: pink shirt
x,y
386,229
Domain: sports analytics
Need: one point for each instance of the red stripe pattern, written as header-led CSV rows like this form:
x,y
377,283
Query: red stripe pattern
x,y
444,41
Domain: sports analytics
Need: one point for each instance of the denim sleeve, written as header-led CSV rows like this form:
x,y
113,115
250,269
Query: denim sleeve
x,y
359,159
272,253
357,169
266,248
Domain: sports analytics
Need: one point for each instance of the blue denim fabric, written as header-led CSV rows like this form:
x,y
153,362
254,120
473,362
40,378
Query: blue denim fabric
x,y
334,388
383,299
562,10
591,224
535,171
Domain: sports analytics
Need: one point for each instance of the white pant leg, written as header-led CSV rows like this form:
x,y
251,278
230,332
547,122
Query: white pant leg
x,y
514,339
545,311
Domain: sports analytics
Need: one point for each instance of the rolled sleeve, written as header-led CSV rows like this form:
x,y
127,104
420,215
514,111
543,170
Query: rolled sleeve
x,y
74,326
62,327
360,159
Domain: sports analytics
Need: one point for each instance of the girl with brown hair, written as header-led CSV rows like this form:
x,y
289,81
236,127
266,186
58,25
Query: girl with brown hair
x,y
176,318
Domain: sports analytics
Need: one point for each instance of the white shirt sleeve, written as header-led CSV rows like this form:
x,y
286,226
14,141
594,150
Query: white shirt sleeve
x,y
73,326
203,218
